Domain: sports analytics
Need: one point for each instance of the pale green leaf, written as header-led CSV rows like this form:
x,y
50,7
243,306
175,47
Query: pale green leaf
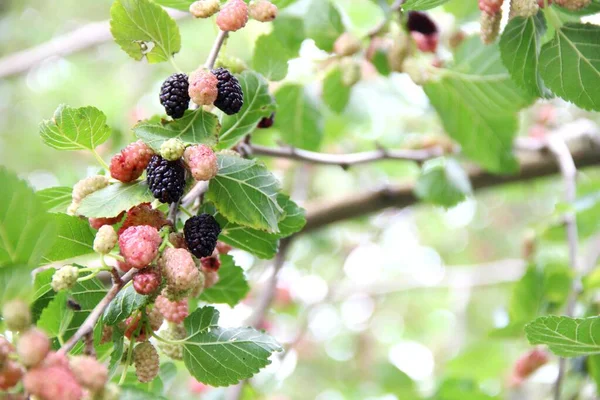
x,y
112,200
566,337
443,182
231,287
26,229
258,103
43,292
323,23
422,4
336,94
116,356
75,128
126,301
56,317
195,127
15,281
245,192
298,118
74,238
520,47
144,29
221,357
570,64
56,199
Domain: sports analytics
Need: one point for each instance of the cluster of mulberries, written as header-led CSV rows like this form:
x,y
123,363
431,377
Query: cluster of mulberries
x,y
173,332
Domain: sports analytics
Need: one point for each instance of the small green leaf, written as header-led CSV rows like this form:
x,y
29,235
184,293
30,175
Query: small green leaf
x,y
520,47
422,4
15,281
566,337
443,182
144,29
245,192
570,64
116,356
75,128
55,318
74,238
221,357
232,286
294,219
26,230
195,127
258,103
335,93
56,199
126,302
112,200
298,118
323,23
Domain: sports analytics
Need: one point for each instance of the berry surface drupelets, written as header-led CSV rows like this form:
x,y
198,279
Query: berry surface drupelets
x,y
105,240
231,97
233,16
33,346
166,179
89,372
201,234
174,95
147,281
173,332
172,149
201,161
203,87
262,10
139,245
173,311
204,8
87,186
490,26
65,278
130,163
179,269
146,361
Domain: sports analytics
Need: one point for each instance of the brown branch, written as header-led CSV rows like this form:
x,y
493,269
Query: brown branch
x,y
532,165
568,170
82,38
346,160
90,322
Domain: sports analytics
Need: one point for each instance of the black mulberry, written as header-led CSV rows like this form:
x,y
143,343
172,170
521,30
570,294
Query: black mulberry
x,y
201,233
166,179
174,95
230,98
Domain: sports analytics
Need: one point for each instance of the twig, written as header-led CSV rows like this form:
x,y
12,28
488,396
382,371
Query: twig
x,y
90,322
568,170
198,190
214,52
173,210
346,160
82,38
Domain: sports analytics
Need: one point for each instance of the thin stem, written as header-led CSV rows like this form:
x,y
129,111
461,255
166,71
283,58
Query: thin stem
x,y
214,52
116,257
185,211
100,160
162,339
127,362
174,64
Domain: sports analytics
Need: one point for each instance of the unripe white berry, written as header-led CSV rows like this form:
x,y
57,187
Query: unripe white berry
x,y
172,149
65,278
105,240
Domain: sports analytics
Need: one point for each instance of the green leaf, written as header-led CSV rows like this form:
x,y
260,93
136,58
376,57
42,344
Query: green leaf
x,y
520,47
221,357
258,103
56,199
195,127
144,29
232,286
298,118
273,51
570,64
294,219
566,337
116,356
126,302
55,318
245,192
26,230
128,392
112,200
183,5
43,292
15,281
323,23
478,103
422,4
75,128
381,62
593,365
443,182
87,294
336,94
74,238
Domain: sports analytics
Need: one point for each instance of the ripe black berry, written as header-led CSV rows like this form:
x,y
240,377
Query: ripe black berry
x,y
421,22
267,122
230,98
166,179
174,95
201,233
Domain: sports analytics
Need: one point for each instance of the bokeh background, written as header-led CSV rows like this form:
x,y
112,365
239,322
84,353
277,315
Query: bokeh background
x,y
397,305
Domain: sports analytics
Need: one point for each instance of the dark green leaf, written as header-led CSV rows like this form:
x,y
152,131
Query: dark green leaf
x,y
298,118
232,286
336,93
566,337
126,301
